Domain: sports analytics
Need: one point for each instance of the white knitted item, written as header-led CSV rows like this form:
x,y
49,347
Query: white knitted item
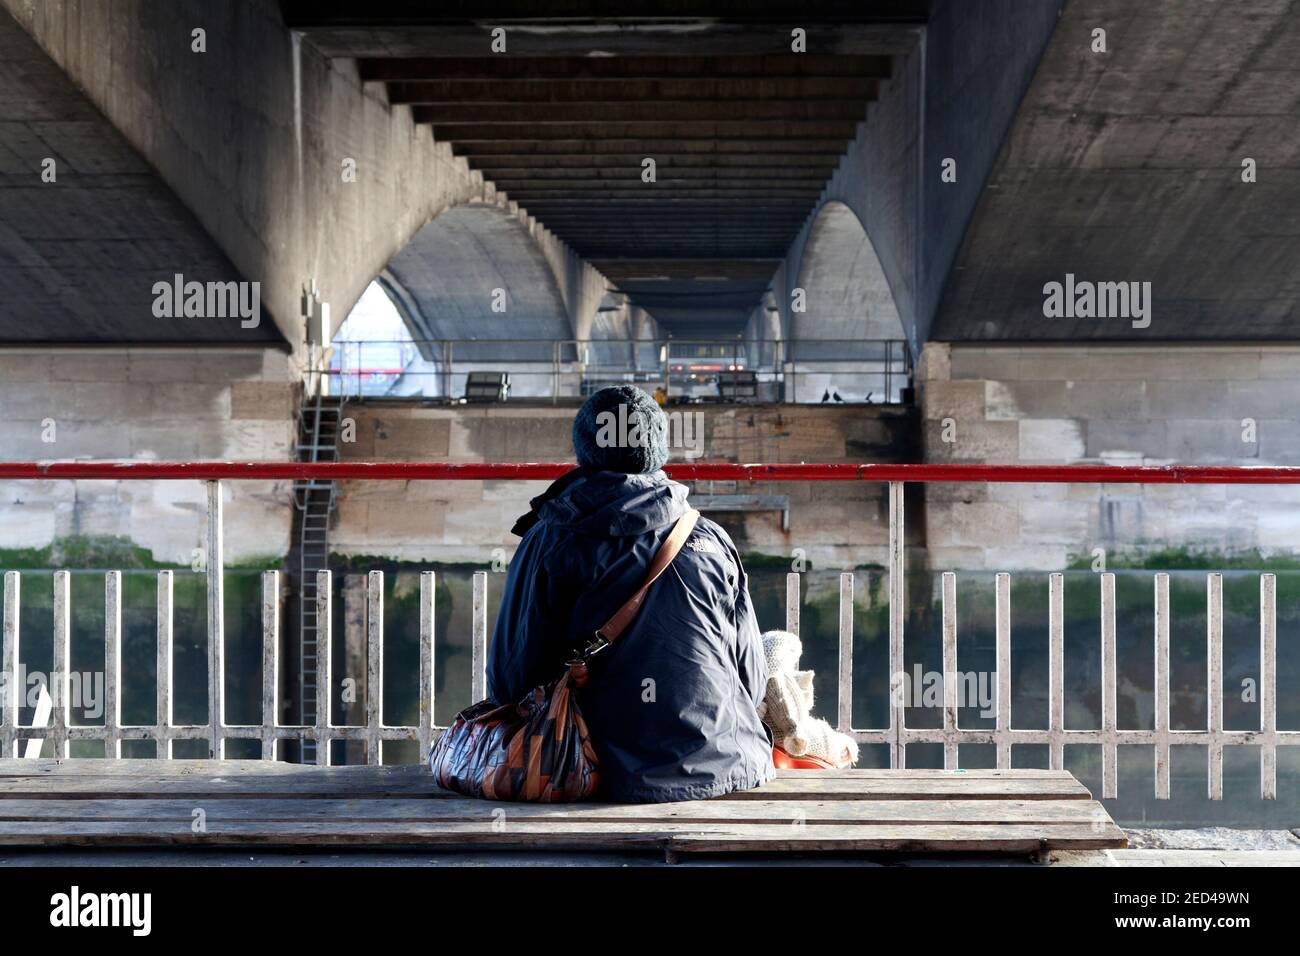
x,y
787,706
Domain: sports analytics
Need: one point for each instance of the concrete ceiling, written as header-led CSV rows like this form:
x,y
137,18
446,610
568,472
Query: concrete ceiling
x,y
744,133
79,256
445,278
1127,166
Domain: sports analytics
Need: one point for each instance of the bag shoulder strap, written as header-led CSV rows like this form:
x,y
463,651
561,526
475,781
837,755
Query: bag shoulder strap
x,y
670,548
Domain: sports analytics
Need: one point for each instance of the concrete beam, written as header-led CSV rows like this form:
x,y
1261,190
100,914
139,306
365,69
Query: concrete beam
x,y
462,71
722,149
692,112
1128,167
672,129
579,165
601,92
759,190
80,255
398,29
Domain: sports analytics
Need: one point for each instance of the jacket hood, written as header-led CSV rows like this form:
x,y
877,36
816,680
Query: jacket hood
x,y
613,504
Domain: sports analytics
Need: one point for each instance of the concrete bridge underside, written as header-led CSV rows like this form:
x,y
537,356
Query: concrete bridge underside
x,y
230,163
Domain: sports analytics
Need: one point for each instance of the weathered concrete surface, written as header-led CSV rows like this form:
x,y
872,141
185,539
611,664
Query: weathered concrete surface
x,y
952,96
848,296
835,524
79,256
451,270
1127,166
252,136
146,404
1231,405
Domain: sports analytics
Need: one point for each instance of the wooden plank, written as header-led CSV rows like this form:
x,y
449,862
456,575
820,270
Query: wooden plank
x,y
897,611
1214,679
374,666
270,661
61,716
478,639
792,600
892,838
1109,752
1268,686
216,619
9,709
1002,641
950,677
308,783
844,701
112,662
97,803
164,769
324,663
1161,690
1056,669
839,812
146,766
428,617
561,836
908,788
311,785
163,685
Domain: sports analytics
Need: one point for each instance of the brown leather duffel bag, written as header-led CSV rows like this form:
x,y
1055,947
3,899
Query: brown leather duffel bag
x,y
540,749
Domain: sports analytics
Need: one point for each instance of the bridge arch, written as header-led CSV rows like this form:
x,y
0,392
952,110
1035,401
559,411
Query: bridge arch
x,y
846,292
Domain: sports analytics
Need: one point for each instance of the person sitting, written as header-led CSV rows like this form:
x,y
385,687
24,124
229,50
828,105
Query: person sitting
x,y
672,706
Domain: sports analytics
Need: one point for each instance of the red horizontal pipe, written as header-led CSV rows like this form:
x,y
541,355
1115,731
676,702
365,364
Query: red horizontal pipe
x,y
444,471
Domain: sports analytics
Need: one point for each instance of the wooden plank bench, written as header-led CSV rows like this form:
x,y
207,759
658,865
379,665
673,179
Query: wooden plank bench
x,y
119,803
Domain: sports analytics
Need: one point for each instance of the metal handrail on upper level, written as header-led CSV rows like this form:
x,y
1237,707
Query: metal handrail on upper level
x,y
897,735
851,371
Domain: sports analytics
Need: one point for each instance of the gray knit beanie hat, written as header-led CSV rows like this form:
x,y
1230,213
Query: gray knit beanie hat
x,y
621,428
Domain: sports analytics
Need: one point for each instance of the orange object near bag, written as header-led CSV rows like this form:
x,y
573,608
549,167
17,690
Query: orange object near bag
x,y
786,761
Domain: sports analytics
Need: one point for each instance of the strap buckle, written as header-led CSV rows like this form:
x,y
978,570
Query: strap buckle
x,y
597,644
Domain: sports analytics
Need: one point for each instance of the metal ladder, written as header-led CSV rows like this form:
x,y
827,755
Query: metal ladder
x,y
318,433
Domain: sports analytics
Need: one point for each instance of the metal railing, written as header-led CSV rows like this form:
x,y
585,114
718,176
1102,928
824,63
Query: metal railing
x,y
852,371
897,736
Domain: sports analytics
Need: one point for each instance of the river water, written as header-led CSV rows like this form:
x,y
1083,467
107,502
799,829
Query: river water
x,y
819,630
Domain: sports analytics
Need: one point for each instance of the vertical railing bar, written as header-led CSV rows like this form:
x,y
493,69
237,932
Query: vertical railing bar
x,y
1056,669
845,700
478,644
428,606
1268,686
1214,681
112,664
374,666
792,603
165,719
324,664
9,666
61,715
216,621
1002,625
270,662
1109,751
897,750
949,671
1162,685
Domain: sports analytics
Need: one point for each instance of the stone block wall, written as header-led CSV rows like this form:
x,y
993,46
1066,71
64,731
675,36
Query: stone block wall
x,y
838,524
1158,404
146,405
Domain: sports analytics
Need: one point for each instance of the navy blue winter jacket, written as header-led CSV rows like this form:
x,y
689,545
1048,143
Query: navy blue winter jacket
x,y
671,705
